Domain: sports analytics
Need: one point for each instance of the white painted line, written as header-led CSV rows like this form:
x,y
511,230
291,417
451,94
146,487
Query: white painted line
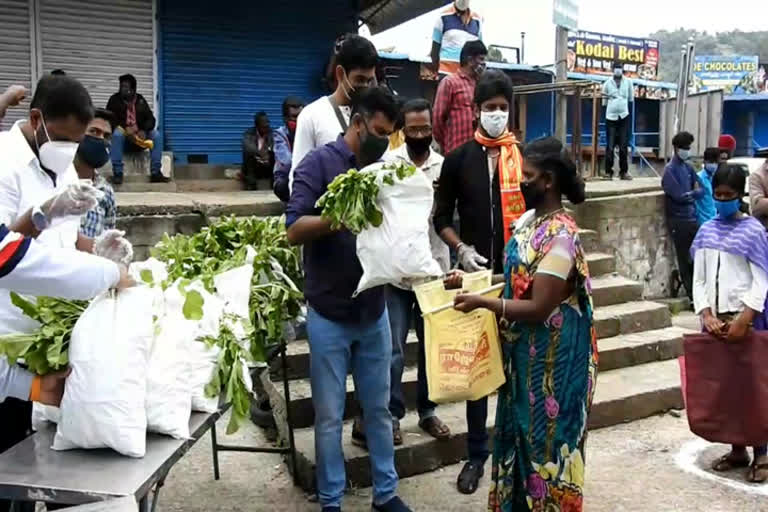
x,y
686,460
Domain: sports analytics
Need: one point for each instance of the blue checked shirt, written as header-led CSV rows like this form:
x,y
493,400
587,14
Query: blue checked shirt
x,y
104,216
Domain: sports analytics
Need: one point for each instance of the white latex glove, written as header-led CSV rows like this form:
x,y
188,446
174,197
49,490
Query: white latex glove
x,y
74,200
470,260
112,245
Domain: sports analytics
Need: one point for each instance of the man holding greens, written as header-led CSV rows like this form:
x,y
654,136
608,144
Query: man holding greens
x,y
344,331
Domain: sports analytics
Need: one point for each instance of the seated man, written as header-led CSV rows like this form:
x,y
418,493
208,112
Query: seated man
x,y
284,136
92,154
258,151
135,130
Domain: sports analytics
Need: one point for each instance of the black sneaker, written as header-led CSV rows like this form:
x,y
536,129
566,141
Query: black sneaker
x,y
358,434
117,179
393,505
469,478
626,177
159,178
331,509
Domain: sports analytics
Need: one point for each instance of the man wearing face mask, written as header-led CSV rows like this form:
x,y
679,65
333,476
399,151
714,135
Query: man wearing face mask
x,y
92,154
345,332
682,190
618,93
323,120
705,205
454,116
482,178
284,137
456,26
402,305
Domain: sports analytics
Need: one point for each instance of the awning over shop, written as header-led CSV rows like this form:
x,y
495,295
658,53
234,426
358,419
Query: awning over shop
x,y
381,15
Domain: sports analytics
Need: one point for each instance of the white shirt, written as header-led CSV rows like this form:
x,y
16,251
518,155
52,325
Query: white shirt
x,y
728,289
24,185
431,167
316,126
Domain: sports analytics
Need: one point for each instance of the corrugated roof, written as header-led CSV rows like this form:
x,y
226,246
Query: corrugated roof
x,y
490,64
381,15
747,97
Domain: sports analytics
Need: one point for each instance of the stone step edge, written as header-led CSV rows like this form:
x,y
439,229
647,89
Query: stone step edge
x,y
611,321
624,353
420,453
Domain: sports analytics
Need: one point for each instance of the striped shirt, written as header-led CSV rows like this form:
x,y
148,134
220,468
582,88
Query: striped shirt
x,y
452,33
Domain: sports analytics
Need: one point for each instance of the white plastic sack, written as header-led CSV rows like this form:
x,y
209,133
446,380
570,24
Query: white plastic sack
x,y
399,250
233,287
201,360
104,397
169,396
151,271
44,414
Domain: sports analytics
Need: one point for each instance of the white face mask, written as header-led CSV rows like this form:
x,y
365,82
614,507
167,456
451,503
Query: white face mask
x,y
462,5
56,156
494,123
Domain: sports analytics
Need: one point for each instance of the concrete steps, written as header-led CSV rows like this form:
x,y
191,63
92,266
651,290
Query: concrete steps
x,y
600,264
622,395
615,353
610,321
613,289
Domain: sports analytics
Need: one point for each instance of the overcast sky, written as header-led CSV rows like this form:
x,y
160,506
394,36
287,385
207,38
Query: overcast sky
x,y
505,19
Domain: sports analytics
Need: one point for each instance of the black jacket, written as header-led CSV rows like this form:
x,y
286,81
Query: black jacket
x,y
465,183
145,119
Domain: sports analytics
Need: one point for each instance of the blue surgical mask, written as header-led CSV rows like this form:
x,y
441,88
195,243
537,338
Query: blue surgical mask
x,y
710,168
684,154
727,209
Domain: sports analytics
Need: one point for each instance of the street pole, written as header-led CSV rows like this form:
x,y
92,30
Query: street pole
x,y
561,75
522,47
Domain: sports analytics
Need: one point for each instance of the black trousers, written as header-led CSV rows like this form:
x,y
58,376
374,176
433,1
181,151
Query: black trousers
x,y
617,132
15,426
683,232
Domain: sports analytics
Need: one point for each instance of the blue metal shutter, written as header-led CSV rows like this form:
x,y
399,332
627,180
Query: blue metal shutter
x,y
221,62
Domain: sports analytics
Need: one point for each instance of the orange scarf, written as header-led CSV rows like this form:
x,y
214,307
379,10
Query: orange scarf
x,y
510,176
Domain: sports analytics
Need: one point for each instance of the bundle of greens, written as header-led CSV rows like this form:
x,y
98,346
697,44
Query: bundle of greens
x,y
275,294
46,349
350,200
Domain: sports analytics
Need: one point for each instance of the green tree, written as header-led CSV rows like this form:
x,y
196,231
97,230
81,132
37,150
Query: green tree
x,y
495,55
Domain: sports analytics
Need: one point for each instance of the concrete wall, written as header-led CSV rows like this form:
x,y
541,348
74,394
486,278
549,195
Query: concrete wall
x,y
632,228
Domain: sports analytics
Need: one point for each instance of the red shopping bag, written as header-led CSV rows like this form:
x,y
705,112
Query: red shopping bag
x,y
726,388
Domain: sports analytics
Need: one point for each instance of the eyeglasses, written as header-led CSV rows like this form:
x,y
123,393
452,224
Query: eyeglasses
x,y
418,131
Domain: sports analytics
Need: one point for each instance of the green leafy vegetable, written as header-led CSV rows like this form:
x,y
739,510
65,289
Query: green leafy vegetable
x,y
46,349
350,200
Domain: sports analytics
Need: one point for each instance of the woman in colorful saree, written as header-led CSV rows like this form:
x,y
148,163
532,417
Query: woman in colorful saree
x,y
730,285
549,345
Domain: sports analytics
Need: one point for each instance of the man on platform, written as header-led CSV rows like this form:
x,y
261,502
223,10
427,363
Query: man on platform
x,y
454,115
618,93
482,178
135,131
258,151
456,26
284,137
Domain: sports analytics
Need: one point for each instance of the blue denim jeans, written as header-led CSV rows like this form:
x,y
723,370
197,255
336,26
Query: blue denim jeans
x,y
404,310
333,347
118,147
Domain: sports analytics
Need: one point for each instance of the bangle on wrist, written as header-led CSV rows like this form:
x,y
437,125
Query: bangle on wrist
x,y
503,308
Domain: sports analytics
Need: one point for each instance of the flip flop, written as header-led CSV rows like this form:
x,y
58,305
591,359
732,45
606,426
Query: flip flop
x,y
435,427
758,473
728,462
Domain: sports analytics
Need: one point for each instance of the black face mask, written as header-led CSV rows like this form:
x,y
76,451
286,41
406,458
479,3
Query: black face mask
x,y
93,151
532,194
418,145
372,147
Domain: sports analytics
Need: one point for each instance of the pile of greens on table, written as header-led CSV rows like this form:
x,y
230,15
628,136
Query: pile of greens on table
x,y
275,299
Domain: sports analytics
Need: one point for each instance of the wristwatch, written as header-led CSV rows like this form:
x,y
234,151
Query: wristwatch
x,y
39,219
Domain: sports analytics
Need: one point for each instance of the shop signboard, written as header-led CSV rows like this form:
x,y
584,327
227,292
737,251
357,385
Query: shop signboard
x,y
595,53
734,74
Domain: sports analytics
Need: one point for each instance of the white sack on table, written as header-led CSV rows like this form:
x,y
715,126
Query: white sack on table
x,y
104,397
43,414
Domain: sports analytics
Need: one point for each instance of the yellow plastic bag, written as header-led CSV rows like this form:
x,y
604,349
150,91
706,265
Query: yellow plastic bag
x,y
462,349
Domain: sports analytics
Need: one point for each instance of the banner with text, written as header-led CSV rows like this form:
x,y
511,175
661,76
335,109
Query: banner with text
x,y
595,53
734,74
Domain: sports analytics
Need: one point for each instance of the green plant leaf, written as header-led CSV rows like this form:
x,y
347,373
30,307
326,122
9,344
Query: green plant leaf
x,y
193,305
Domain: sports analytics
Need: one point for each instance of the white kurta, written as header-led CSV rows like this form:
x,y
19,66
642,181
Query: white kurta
x,y
726,283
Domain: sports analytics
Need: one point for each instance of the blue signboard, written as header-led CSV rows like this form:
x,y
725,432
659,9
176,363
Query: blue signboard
x,y
736,74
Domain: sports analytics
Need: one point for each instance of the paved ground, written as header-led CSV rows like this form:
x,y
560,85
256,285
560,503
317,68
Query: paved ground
x,y
630,468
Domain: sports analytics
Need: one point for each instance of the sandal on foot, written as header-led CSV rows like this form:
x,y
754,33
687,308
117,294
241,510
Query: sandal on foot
x,y
434,427
729,462
397,434
758,473
469,478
